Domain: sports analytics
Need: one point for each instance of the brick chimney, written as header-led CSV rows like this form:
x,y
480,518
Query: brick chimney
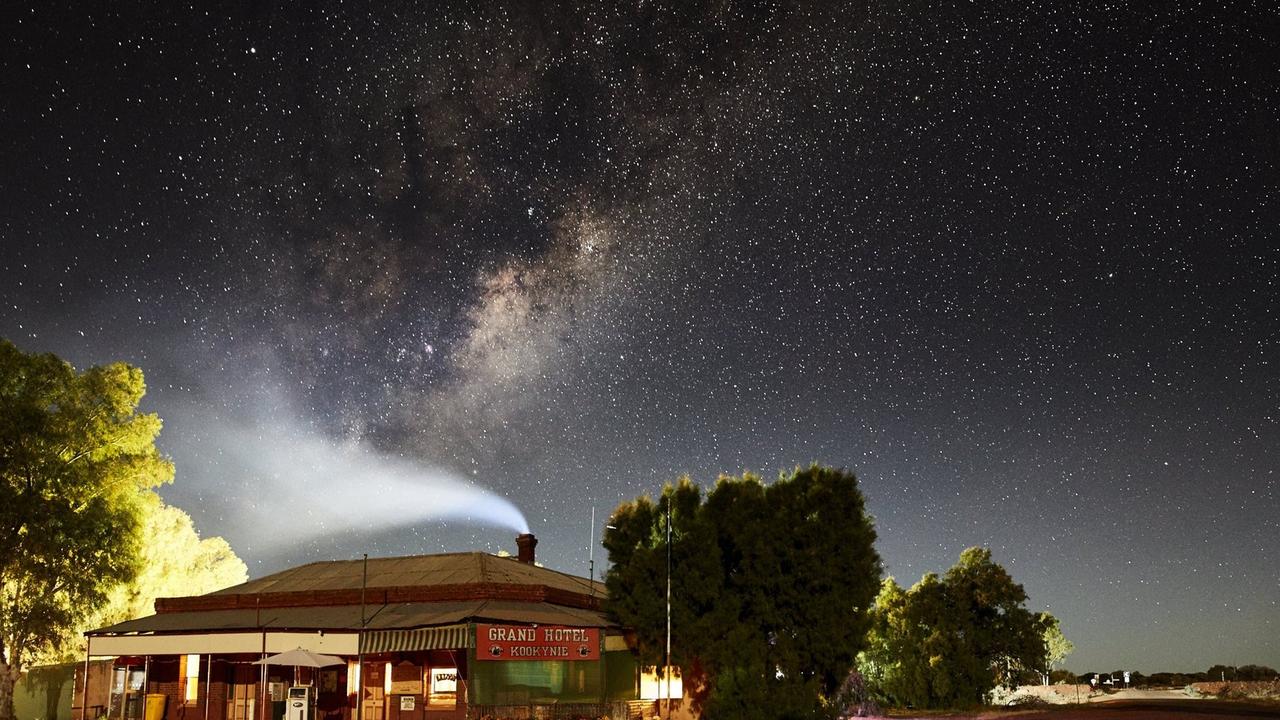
x,y
525,543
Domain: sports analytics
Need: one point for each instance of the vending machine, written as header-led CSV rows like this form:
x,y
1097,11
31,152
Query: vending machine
x,y
301,703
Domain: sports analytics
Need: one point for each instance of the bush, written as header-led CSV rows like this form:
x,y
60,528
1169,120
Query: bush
x,y
1027,702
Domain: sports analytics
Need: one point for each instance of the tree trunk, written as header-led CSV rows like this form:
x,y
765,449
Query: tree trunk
x,y
9,675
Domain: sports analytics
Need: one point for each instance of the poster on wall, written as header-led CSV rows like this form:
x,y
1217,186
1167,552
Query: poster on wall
x,y
444,688
444,680
407,703
541,642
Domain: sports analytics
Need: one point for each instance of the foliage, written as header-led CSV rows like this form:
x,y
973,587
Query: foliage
x,y
1167,679
175,561
1057,646
771,586
1256,672
1063,677
1243,673
77,462
947,642
1220,672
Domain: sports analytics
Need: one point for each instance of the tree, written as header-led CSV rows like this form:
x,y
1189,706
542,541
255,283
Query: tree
x,y
1242,673
1057,646
1062,676
771,588
1256,672
895,663
77,464
175,561
1220,672
947,642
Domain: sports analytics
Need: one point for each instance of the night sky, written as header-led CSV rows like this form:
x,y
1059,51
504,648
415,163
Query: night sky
x,y
1013,263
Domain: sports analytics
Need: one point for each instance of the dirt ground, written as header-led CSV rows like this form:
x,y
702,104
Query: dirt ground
x,y
1126,705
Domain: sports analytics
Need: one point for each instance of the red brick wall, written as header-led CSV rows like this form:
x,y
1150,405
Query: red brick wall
x,y
217,694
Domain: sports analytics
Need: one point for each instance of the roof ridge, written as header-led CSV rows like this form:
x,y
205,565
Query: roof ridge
x,y
486,565
545,568
419,555
371,559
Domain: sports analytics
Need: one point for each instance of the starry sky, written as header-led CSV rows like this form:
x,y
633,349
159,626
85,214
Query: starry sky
x,y
397,276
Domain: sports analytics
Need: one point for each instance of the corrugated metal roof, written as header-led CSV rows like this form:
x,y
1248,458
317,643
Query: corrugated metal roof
x,y
417,570
346,617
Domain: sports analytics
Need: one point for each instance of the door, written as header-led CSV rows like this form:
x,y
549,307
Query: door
x,y
242,692
373,700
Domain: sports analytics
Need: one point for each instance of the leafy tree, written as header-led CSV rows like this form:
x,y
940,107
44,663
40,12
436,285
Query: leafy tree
x,y
947,642
1256,672
77,462
1166,679
771,588
1062,676
1057,646
1242,673
895,664
174,561
1220,672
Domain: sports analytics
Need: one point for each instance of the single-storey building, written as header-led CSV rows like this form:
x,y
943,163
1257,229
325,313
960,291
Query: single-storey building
x,y
429,637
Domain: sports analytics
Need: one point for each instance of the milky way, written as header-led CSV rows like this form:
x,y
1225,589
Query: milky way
x,y
1012,264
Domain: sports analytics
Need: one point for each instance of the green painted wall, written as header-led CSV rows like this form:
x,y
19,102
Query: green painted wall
x,y
45,693
536,682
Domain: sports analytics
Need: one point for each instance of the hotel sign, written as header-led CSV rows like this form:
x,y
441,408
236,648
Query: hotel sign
x,y
541,642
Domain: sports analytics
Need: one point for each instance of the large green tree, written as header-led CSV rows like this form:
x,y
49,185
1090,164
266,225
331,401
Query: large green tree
x,y
947,642
77,464
771,587
174,561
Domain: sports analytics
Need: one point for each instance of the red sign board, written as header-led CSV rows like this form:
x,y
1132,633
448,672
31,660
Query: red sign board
x,y
541,642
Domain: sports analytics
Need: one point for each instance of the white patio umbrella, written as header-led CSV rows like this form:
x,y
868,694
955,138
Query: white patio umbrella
x,y
299,657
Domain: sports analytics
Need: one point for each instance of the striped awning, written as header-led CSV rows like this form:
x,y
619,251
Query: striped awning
x,y
446,637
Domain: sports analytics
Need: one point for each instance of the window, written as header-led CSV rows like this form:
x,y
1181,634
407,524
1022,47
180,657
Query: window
x,y
190,678
443,690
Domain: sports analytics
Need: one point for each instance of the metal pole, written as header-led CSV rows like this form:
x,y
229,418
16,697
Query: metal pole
x,y
84,687
208,679
262,711
667,660
591,553
364,583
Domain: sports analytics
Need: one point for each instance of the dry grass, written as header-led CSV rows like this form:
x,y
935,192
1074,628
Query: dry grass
x,y
1237,690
